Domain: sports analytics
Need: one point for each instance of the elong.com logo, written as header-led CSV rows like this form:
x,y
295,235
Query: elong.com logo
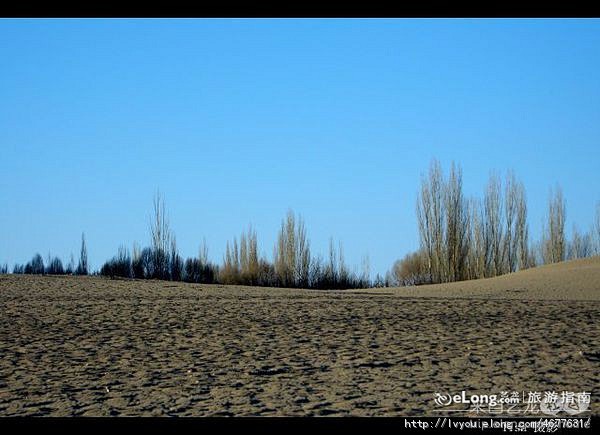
x,y
473,399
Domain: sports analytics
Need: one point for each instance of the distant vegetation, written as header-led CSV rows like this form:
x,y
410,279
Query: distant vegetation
x,y
460,238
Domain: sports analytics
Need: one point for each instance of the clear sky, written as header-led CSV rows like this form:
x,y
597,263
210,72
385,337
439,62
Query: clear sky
x,y
238,120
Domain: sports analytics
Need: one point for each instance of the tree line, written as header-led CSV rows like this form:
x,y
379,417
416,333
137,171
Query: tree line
x,y
53,265
292,266
460,238
468,238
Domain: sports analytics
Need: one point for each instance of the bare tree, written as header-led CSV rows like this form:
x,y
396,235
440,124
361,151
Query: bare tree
x,y
343,272
175,262
203,254
236,256
332,270
201,270
522,228
137,262
119,265
515,238
251,268
444,225
510,240
54,266
493,227
365,276
292,253
581,245
554,247
160,233
431,220
285,251
534,254
249,264
477,247
457,227
230,272
70,266
424,219
244,261
302,255
82,267
334,274
35,266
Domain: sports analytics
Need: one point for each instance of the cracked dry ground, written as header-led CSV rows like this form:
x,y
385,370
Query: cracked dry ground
x,y
89,346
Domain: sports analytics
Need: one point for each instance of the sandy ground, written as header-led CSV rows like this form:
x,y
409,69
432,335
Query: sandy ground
x,y
93,346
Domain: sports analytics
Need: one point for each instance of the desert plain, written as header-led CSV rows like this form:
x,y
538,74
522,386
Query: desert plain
x,y
91,346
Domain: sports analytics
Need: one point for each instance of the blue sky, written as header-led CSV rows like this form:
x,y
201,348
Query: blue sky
x,y
236,121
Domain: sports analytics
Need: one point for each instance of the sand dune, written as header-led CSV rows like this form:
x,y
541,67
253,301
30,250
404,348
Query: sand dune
x,y
569,280
91,346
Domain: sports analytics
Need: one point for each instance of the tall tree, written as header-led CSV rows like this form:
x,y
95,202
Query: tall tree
x,y
292,253
457,227
554,247
160,233
522,228
203,252
430,216
493,227
82,267
477,245
510,220
230,272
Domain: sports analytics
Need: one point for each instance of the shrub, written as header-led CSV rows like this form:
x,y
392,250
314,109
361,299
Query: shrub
x,y
411,270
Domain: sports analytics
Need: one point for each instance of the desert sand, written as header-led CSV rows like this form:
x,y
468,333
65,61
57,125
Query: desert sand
x,y
89,346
